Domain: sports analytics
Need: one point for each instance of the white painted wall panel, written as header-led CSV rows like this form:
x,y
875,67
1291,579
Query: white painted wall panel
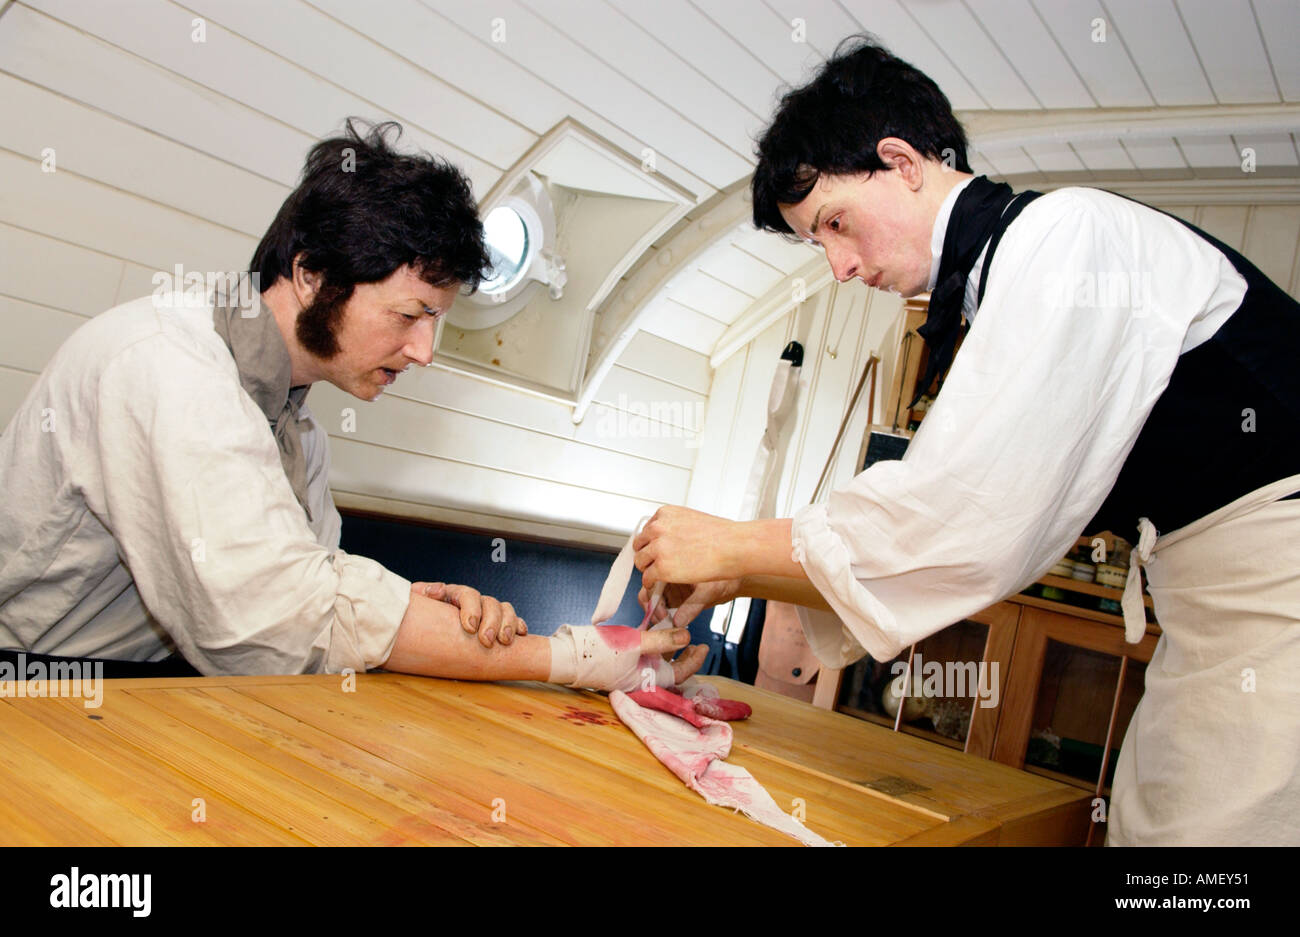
x,y
50,272
769,248
91,144
624,388
745,271
90,214
161,32
763,354
53,55
1271,238
711,296
1225,222
464,47
32,333
370,73
416,428
668,361
676,323
404,476
737,403
715,441
538,46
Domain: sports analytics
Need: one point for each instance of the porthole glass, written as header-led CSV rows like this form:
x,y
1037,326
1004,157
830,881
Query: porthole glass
x,y
508,248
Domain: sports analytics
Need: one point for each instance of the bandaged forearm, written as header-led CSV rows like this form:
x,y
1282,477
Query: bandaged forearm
x,y
605,657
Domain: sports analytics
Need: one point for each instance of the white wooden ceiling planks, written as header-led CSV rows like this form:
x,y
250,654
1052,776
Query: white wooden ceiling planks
x,y
1154,35
464,47
905,37
543,48
1033,52
970,46
55,55
1279,24
693,80
1231,50
1094,47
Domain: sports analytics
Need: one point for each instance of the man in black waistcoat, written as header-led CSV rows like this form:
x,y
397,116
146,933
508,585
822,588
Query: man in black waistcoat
x,y
1121,371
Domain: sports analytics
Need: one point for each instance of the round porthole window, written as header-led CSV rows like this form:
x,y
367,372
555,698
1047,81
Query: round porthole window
x,y
508,247
519,234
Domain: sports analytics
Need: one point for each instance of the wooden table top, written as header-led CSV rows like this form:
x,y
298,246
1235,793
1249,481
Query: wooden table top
x,y
412,760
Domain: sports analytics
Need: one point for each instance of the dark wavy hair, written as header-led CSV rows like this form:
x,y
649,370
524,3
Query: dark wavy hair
x,y
361,211
861,95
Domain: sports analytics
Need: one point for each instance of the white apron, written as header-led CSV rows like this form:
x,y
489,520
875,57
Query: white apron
x,y
1212,754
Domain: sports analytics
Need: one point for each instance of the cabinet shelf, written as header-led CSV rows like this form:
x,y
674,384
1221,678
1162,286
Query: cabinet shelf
x,y
1088,588
1090,786
888,723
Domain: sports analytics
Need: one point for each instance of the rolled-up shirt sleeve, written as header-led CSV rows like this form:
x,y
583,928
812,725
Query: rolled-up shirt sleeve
x,y
1088,306
208,525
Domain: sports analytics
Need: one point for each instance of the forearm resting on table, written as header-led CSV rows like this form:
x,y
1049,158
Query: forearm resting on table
x,y
431,642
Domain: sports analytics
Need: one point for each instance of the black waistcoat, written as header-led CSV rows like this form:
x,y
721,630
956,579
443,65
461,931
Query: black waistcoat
x,y
1227,423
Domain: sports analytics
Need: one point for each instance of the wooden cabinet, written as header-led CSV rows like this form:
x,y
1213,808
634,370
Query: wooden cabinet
x,y
1058,688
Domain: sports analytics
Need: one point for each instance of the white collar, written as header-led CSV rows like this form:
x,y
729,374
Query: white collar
x,y
941,228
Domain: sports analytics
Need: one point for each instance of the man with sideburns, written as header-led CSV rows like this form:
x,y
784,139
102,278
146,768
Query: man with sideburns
x,y
179,514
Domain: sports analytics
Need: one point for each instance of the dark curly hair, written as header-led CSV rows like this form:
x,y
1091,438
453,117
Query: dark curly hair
x,y
361,211
861,95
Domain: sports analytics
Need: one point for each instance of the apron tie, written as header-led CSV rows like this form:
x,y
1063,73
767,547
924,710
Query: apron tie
x,y
1135,616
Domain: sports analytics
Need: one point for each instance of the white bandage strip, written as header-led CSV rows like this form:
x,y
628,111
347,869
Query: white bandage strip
x,y
582,657
620,574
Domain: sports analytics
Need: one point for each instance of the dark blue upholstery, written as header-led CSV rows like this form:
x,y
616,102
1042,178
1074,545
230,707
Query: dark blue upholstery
x,y
549,585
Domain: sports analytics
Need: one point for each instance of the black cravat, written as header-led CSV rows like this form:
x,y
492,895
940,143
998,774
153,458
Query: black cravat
x,y
975,218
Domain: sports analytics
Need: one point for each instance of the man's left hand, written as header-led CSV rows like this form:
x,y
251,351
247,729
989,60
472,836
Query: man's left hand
x,y
679,545
480,614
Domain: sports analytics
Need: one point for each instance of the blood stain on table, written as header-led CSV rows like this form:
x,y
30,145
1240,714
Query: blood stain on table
x,y
585,717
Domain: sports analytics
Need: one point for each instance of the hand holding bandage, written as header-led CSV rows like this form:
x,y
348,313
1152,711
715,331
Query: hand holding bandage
x,y
613,657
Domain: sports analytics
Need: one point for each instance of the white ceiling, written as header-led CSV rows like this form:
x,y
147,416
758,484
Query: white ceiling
x,y
695,80
1052,90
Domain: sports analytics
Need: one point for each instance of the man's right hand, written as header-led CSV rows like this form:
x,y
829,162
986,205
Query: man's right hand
x,y
690,600
490,619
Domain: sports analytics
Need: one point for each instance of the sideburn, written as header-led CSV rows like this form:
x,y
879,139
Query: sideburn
x,y
317,325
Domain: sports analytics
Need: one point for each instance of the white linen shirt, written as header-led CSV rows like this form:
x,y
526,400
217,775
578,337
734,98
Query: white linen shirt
x,y
1042,405
146,511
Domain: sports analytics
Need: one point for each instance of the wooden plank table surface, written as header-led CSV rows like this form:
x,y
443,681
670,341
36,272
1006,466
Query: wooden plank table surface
x,y
410,760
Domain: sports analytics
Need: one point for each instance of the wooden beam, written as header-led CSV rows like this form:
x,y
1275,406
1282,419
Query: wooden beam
x,y
620,319
772,305
990,131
